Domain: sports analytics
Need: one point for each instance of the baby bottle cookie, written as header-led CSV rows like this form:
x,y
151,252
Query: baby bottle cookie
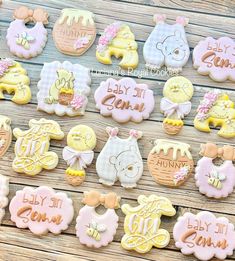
x,y
170,162
93,229
122,159
27,42
5,134
215,181
78,154
63,88
119,41
74,32
142,224
4,191
31,148
167,45
176,104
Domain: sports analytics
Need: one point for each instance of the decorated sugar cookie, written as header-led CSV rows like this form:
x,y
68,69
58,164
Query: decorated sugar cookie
x,y
170,162
176,103
122,160
204,235
5,134
74,32
142,224
42,210
63,88
119,41
93,229
31,148
4,191
79,153
124,100
14,79
23,41
216,109
167,45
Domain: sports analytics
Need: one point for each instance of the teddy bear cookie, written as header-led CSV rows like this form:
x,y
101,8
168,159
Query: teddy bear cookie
x,y
118,40
215,181
167,45
122,159
170,162
216,109
74,32
4,191
93,229
42,210
124,100
176,104
25,42
204,235
79,153
141,224
63,88
14,79
31,148
5,134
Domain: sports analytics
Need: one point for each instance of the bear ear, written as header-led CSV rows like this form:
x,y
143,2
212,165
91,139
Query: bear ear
x,y
113,160
159,46
178,34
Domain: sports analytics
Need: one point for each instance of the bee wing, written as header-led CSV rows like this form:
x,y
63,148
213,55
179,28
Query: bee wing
x,y
24,34
101,227
93,224
30,38
222,177
214,174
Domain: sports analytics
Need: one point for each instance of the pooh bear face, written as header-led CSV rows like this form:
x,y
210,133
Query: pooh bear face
x,y
65,78
125,33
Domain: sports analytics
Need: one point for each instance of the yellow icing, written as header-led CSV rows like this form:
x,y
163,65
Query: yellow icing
x,y
173,122
72,172
73,15
5,123
67,91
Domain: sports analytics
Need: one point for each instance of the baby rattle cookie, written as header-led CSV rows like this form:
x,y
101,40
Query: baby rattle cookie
x,y
204,235
124,100
4,191
27,42
176,104
74,32
31,148
118,40
78,154
42,210
5,134
63,88
170,162
93,229
167,45
122,159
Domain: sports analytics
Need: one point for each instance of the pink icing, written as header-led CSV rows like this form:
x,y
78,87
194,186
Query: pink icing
x,y
4,65
81,42
78,101
181,174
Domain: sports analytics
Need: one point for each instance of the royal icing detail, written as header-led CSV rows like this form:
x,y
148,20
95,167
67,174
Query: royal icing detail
x,y
142,224
215,57
124,100
41,210
118,40
122,159
170,162
31,148
5,134
63,88
4,191
167,45
27,42
204,235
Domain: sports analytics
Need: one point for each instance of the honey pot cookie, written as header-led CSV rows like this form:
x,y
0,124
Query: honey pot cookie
x,y
5,134
4,191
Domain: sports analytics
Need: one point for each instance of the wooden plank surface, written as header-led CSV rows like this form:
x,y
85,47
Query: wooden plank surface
x,y
207,18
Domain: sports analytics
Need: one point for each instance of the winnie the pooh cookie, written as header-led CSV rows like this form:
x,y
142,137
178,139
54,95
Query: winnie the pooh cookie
x,y
118,40
5,134
176,103
167,45
170,162
78,154
4,191
31,148
74,32
23,41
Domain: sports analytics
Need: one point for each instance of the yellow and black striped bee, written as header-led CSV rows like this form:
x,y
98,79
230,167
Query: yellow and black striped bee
x,y
95,229
215,178
24,39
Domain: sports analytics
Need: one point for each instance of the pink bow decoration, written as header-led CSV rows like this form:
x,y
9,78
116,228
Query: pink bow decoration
x,y
136,134
112,131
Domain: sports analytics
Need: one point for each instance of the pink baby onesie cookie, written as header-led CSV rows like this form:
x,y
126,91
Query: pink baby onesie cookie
x,y
204,235
215,181
27,42
92,229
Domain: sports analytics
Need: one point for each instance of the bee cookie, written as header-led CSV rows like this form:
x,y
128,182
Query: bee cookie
x,y
170,162
4,191
31,148
122,159
93,229
63,88
167,45
23,41
119,41
5,134
176,104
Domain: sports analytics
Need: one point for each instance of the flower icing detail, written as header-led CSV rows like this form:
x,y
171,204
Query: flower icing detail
x,y
81,42
78,102
4,65
181,174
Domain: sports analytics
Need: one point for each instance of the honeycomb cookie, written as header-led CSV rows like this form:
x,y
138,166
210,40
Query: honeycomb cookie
x,y
79,153
119,41
4,191
176,104
5,134
74,32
